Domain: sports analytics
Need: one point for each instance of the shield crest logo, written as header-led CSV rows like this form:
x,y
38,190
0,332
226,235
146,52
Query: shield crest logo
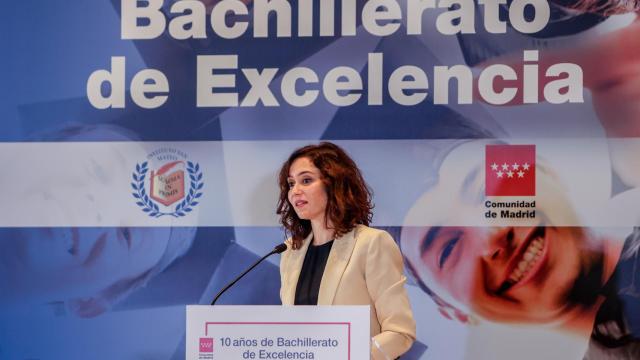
x,y
167,184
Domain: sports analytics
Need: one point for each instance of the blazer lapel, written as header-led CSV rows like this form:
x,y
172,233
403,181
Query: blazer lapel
x,y
296,258
339,256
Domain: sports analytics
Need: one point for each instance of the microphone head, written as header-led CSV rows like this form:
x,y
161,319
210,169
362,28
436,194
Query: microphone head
x,y
280,248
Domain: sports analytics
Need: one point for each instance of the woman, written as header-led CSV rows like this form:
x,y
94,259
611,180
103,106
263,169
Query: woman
x,y
334,257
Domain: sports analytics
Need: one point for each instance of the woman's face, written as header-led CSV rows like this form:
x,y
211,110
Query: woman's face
x,y
55,264
307,193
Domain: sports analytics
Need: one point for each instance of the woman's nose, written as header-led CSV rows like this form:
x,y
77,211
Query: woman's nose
x,y
295,189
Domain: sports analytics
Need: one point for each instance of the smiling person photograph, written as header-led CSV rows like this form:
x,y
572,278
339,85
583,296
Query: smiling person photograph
x,y
546,272
582,280
558,271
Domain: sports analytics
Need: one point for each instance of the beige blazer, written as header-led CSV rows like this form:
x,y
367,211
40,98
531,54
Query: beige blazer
x,y
364,268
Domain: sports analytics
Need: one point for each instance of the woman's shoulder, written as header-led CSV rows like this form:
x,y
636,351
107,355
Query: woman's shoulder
x,y
377,245
367,234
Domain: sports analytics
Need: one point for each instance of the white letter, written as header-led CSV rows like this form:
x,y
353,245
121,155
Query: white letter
x,y
415,8
140,86
374,75
418,81
305,18
573,83
485,84
261,10
541,19
332,85
492,21
178,26
530,78
129,28
327,8
375,10
219,15
259,89
115,79
207,81
464,16
288,86
348,18
443,74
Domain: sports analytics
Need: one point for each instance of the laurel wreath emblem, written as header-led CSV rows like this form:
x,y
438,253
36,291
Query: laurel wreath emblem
x,y
151,208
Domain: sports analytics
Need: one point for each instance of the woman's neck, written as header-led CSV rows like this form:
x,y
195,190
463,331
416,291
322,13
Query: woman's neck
x,y
322,232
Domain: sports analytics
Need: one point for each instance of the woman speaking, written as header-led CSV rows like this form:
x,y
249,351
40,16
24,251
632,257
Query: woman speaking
x,y
334,257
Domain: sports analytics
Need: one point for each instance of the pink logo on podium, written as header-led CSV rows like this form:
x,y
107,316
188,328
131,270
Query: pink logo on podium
x,y
206,345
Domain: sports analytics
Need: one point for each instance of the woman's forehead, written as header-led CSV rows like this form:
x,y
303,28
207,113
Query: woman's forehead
x,y
302,165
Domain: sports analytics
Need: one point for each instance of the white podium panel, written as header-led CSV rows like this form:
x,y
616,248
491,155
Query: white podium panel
x,y
277,332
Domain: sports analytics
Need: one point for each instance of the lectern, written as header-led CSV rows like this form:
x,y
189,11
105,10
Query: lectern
x,y
277,332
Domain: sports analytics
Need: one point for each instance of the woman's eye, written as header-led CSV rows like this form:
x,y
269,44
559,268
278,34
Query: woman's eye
x,y
290,184
307,181
447,250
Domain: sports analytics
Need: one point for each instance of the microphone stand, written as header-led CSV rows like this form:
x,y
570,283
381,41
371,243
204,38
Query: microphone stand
x,y
277,250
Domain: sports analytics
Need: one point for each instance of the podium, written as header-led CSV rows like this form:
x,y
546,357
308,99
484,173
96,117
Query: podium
x,y
277,332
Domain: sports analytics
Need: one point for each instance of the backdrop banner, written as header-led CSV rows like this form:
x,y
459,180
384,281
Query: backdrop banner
x,y
141,141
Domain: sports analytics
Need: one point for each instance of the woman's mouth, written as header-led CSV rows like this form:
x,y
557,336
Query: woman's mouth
x,y
299,203
527,261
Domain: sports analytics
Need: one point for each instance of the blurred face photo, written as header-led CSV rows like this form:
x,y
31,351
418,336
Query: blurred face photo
x,y
62,263
506,274
531,271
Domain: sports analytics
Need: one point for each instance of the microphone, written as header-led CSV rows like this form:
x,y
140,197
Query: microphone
x,y
280,248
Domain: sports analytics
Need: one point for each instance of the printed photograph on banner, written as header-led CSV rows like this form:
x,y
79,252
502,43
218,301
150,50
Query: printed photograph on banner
x,y
528,278
577,281
542,263
77,285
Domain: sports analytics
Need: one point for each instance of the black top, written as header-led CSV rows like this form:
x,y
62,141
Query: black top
x,y
311,274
